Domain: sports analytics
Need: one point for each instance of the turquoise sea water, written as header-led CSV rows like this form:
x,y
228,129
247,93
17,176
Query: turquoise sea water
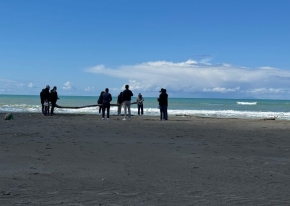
x,y
225,108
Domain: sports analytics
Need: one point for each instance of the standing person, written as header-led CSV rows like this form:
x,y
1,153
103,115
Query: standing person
x,y
100,101
127,94
163,102
107,98
45,95
53,99
120,102
42,100
166,106
140,101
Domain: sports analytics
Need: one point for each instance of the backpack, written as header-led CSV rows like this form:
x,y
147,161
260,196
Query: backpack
x,y
8,116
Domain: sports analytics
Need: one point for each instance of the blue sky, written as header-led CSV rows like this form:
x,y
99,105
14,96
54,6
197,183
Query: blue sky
x,y
193,48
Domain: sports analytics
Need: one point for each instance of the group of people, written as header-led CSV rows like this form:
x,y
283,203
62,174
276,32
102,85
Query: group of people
x,y
124,99
48,98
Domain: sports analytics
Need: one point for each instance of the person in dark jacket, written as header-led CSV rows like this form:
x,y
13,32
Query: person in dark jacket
x,y
107,98
53,99
163,103
44,99
120,102
127,94
166,106
100,101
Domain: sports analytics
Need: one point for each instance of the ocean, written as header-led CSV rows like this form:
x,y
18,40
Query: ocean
x,y
220,108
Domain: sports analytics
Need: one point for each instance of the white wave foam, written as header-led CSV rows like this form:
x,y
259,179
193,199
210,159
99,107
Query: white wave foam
x,y
247,103
156,112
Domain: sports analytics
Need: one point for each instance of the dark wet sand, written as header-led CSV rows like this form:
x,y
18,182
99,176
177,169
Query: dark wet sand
x,y
83,160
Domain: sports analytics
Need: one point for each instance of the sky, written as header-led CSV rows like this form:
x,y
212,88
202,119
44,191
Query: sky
x,y
193,48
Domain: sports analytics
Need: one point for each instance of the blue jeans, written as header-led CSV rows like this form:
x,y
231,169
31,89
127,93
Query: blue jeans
x,y
165,113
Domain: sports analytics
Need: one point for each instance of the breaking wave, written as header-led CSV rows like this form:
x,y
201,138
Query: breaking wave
x,y
247,103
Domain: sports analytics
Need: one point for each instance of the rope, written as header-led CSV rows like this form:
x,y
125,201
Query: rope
x,y
93,105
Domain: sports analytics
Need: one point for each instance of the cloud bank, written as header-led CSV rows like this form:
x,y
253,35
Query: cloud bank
x,y
202,79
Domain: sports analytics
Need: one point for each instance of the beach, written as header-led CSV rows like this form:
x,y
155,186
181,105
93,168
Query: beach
x,y
80,159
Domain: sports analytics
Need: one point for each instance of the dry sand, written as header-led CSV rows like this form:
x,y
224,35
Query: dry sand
x,y
83,160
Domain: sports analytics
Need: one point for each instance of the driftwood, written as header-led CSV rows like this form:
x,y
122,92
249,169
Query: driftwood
x,y
93,105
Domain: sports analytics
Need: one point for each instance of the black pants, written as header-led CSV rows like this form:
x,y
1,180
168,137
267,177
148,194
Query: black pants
x,y
163,112
106,106
52,107
42,106
140,107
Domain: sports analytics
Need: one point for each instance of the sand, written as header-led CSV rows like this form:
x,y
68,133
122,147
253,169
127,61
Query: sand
x,y
71,159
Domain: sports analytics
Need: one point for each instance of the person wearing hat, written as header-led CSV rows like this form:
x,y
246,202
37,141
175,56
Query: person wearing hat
x,y
163,102
107,98
53,99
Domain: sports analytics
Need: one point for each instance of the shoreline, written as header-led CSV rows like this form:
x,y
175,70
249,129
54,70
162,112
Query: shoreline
x,y
80,159
274,118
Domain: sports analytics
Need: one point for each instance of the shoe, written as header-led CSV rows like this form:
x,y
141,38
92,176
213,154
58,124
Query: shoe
x,y
103,118
124,119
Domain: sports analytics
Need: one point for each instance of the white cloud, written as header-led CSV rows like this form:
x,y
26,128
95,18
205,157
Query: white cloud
x,y
90,89
221,90
192,76
67,86
266,90
7,85
10,86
